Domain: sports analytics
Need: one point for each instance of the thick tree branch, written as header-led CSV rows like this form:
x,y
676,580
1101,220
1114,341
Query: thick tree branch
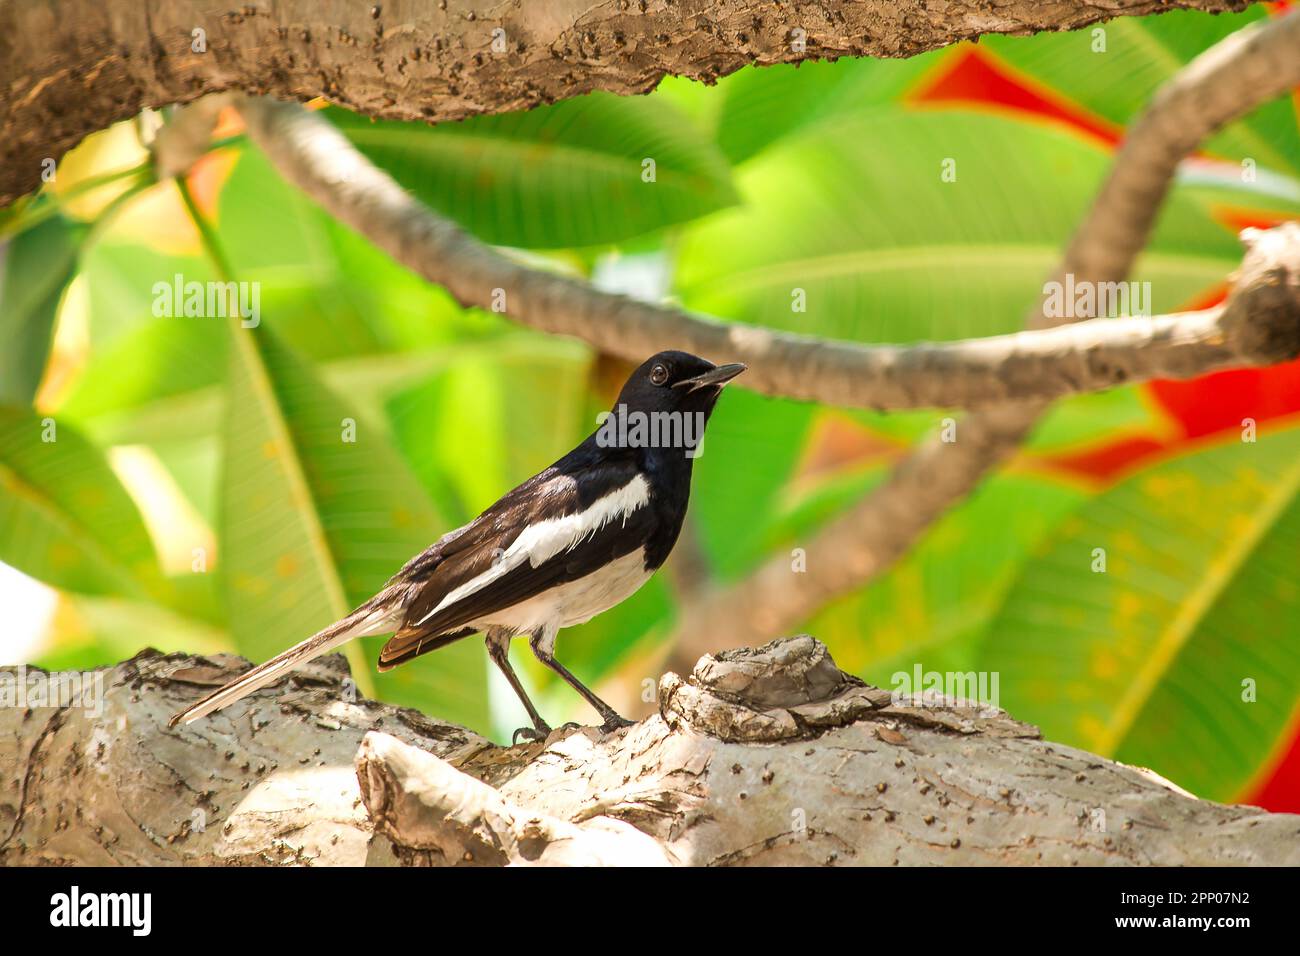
x,y
101,781
1228,81
769,756
71,67
1095,354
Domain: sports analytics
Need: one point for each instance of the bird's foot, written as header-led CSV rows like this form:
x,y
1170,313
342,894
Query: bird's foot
x,y
614,722
531,734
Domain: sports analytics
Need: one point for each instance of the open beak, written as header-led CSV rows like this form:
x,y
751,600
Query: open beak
x,y
718,376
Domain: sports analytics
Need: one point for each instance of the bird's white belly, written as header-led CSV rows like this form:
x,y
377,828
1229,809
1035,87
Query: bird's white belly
x,y
576,601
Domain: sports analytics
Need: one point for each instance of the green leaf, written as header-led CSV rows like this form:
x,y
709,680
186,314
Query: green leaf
x,y
159,358
65,519
329,291
1147,661
855,215
325,291
174,360
517,405
1140,54
1221,190
934,605
120,276
1093,417
35,267
120,409
759,106
751,449
570,174
313,524
93,631
197,595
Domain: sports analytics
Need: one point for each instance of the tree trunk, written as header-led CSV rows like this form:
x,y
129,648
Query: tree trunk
x,y
768,756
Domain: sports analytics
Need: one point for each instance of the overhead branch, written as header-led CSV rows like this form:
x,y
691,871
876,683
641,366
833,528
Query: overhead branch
x,y
768,756
1232,78
312,154
71,67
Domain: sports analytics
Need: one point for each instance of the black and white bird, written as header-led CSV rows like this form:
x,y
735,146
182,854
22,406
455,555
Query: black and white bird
x,y
567,544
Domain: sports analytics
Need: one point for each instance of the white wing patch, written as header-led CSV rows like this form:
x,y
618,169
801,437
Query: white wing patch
x,y
542,541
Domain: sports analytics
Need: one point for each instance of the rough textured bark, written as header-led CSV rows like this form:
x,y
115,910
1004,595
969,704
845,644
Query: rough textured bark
x,y
268,783
70,67
761,756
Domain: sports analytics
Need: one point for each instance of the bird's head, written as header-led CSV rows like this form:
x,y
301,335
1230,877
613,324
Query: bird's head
x,y
676,382
665,405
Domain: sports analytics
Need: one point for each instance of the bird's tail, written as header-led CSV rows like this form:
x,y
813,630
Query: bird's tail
x,y
365,620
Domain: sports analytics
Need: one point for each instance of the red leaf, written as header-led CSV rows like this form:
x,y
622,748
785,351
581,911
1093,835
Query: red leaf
x,y
1219,401
973,76
1280,790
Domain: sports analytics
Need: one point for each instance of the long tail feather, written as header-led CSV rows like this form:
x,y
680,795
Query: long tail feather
x,y
364,621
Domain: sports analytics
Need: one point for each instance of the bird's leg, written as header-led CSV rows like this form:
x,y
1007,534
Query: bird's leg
x,y
498,646
542,642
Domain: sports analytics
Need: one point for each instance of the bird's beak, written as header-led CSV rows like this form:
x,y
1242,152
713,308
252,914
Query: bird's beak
x,y
718,376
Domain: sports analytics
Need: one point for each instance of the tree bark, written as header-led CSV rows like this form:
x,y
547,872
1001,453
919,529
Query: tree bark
x,y
71,67
768,756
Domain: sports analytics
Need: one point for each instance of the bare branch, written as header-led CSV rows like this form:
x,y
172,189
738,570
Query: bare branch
x,y
71,67
1092,355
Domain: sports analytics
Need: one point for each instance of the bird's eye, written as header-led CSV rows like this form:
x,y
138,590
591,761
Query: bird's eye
x,y
658,375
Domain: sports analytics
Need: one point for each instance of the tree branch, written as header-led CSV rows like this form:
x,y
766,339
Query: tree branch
x,y
99,779
433,814
309,152
768,756
71,67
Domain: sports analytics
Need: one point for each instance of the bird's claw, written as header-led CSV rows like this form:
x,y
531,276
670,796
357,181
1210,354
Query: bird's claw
x,y
531,734
614,722
534,735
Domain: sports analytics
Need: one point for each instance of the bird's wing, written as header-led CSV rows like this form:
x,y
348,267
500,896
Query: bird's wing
x,y
558,527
